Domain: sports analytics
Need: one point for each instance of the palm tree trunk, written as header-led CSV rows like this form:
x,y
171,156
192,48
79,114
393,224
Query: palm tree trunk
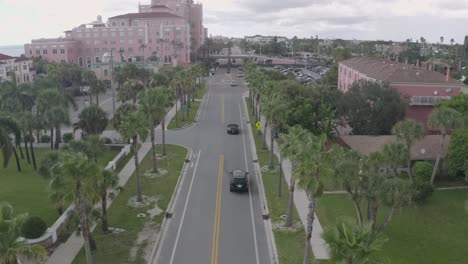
x,y
27,151
105,224
81,205
280,176
436,166
21,151
58,134
33,157
153,149
97,99
18,166
410,172
288,221
137,168
176,112
310,226
264,145
387,221
358,208
163,125
51,138
272,144
90,99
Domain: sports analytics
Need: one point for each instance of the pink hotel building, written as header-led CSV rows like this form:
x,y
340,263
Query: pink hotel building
x,y
170,29
423,87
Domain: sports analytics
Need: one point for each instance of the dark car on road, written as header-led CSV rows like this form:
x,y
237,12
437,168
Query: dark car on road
x,y
239,181
233,129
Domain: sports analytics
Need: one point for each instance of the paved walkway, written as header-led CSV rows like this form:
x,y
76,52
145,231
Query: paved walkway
x,y
319,246
66,252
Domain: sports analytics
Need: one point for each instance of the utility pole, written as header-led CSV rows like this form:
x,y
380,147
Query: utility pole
x,y
229,58
112,88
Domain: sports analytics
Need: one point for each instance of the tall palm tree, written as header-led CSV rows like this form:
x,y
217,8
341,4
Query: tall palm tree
x,y
275,111
9,126
408,131
75,175
315,163
352,243
96,89
290,149
29,123
444,119
130,90
12,248
135,124
123,110
175,85
106,180
89,77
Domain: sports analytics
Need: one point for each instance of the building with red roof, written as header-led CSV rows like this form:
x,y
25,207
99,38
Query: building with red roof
x,y
20,67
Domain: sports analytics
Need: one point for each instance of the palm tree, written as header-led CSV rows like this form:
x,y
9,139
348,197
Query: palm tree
x,y
89,77
352,243
408,131
29,123
315,162
290,149
9,126
275,111
175,85
56,116
135,124
154,109
130,90
92,120
444,119
12,248
107,179
96,89
74,174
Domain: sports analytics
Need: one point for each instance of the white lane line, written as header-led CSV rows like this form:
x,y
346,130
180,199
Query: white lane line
x,y
185,210
250,194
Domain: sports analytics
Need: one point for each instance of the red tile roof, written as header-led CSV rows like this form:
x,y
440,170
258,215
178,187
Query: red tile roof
x,y
146,15
22,59
391,71
5,57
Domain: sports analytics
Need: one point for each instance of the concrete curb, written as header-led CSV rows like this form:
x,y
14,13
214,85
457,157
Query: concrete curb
x,y
195,119
170,208
272,250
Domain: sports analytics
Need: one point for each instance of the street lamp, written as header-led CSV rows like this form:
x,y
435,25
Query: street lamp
x,y
109,57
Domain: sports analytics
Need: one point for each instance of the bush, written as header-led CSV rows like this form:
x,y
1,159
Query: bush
x,y
422,191
107,140
45,139
67,137
422,171
33,227
49,160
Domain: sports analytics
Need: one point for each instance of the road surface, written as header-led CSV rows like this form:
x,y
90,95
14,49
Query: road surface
x,y
209,223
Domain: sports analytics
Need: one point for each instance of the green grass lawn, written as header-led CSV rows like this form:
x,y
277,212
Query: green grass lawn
x,y
115,248
187,120
433,233
290,245
27,192
200,92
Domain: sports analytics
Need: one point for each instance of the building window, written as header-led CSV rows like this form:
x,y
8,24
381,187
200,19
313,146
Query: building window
x,y
104,33
113,34
80,62
97,42
122,33
114,24
44,51
97,60
88,34
54,51
131,41
140,33
96,49
122,41
135,23
105,41
88,42
106,73
113,42
96,34
38,52
130,49
25,67
30,52
62,51
104,49
122,23
140,41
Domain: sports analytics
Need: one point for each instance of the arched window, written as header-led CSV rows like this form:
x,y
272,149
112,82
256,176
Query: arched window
x,y
114,24
135,23
122,23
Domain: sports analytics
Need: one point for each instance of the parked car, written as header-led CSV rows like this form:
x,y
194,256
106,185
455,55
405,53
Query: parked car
x,y
233,83
238,181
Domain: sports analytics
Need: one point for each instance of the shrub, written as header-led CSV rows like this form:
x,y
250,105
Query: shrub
x,y
49,160
422,171
421,192
67,137
45,139
107,140
33,227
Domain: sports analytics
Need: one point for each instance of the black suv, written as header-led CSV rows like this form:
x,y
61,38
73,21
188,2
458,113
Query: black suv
x,y
233,129
238,181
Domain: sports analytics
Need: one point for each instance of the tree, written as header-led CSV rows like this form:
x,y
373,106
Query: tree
x,y
96,89
395,154
315,163
135,124
123,110
106,180
9,126
444,119
153,104
408,131
12,248
130,90
372,108
92,120
89,77
352,243
75,175
458,102
458,152
290,148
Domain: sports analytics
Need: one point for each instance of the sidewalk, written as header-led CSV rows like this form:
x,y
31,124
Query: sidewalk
x,y
319,246
66,252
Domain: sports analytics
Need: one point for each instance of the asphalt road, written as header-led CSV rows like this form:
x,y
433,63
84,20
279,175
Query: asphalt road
x,y
209,223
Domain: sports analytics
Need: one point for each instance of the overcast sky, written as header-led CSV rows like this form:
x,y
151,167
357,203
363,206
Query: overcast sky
x,y
23,20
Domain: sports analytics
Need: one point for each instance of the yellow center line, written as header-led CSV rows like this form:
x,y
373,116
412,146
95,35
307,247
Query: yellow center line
x,y
215,245
222,109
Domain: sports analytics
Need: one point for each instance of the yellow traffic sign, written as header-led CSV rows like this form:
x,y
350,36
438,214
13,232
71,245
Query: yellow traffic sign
x,y
258,125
